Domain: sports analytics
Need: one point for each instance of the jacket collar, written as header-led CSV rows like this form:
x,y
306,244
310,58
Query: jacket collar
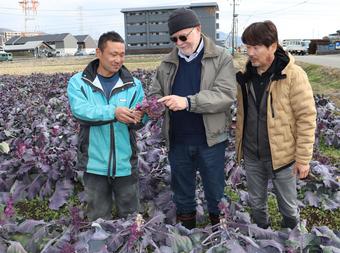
x,y
210,50
283,60
90,72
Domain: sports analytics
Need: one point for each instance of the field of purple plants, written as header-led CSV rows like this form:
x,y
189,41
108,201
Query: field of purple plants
x,y
38,148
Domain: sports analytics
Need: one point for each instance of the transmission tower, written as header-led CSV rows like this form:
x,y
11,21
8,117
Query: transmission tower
x,y
30,9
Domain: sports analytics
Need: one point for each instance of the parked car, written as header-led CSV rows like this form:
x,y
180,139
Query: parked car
x,y
4,56
52,53
80,53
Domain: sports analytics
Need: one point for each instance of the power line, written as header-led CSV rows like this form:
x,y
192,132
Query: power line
x,y
65,10
275,11
91,9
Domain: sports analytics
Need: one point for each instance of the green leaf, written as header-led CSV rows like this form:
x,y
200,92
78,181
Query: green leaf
x,y
4,147
181,243
196,238
15,247
8,133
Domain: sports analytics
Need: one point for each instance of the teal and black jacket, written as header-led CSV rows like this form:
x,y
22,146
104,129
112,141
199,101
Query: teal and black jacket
x,y
106,146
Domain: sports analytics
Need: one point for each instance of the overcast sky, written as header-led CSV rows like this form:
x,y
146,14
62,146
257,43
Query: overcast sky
x,y
294,18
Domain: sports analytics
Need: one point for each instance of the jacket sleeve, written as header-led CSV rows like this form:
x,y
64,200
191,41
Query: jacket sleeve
x,y
303,105
157,85
222,93
83,109
138,100
239,124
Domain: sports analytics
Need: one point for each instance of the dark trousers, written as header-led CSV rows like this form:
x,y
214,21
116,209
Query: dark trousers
x,y
185,160
99,191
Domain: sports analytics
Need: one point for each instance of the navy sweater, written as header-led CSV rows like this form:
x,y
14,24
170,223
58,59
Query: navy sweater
x,y
187,127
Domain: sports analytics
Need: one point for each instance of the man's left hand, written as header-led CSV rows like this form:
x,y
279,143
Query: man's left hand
x,y
138,115
301,170
174,103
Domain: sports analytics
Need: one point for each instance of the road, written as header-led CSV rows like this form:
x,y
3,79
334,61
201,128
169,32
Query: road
x,y
332,60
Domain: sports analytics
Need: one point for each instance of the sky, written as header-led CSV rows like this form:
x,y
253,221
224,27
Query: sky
x,y
294,18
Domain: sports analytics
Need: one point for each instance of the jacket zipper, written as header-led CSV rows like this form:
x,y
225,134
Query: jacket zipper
x,y
257,133
112,157
271,105
112,149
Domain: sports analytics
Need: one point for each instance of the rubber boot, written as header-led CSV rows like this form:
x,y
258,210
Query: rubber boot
x,y
188,220
289,222
214,220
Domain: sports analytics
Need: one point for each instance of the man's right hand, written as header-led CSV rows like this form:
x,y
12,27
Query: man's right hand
x,y
125,115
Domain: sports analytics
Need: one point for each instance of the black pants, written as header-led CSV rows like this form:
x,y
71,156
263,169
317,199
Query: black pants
x,y
99,191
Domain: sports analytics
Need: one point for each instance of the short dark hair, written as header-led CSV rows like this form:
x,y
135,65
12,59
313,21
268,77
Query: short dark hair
x,y
260,33
109,36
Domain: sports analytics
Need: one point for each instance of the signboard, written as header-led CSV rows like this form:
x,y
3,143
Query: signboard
x,y
331,46
337,45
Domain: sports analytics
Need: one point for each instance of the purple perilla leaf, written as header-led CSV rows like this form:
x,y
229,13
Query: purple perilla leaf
x,y
34,187
311,199
271,246
64,189
326,233
28,226
234,246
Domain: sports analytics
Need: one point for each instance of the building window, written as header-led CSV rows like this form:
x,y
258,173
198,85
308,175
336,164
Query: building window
x,y
156,12
217,26
136,44
217,15
135,13
158,22
136,34
159,33
136,24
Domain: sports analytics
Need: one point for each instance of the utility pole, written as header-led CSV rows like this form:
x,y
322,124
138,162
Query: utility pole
x,y
234,29
233,32
30,9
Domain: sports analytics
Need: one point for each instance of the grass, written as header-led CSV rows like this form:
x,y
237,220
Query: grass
x,y
38,209
324,80
329,151
314,216
71,64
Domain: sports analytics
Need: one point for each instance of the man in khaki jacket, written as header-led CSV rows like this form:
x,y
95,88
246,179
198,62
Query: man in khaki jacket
x,y
276,119
196,82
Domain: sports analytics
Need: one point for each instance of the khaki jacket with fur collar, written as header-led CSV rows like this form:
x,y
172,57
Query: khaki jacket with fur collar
x,y
217,93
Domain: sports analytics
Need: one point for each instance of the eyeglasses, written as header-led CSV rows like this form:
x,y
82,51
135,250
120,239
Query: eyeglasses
x,y
183,38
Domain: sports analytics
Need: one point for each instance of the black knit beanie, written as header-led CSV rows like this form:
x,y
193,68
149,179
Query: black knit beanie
x,y
182,18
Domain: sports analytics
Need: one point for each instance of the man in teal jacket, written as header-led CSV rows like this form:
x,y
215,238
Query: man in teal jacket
x,y
102,98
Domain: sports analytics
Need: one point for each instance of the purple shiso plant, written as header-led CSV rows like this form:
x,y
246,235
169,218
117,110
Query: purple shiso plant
x,y
151,107
36,123
9,209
